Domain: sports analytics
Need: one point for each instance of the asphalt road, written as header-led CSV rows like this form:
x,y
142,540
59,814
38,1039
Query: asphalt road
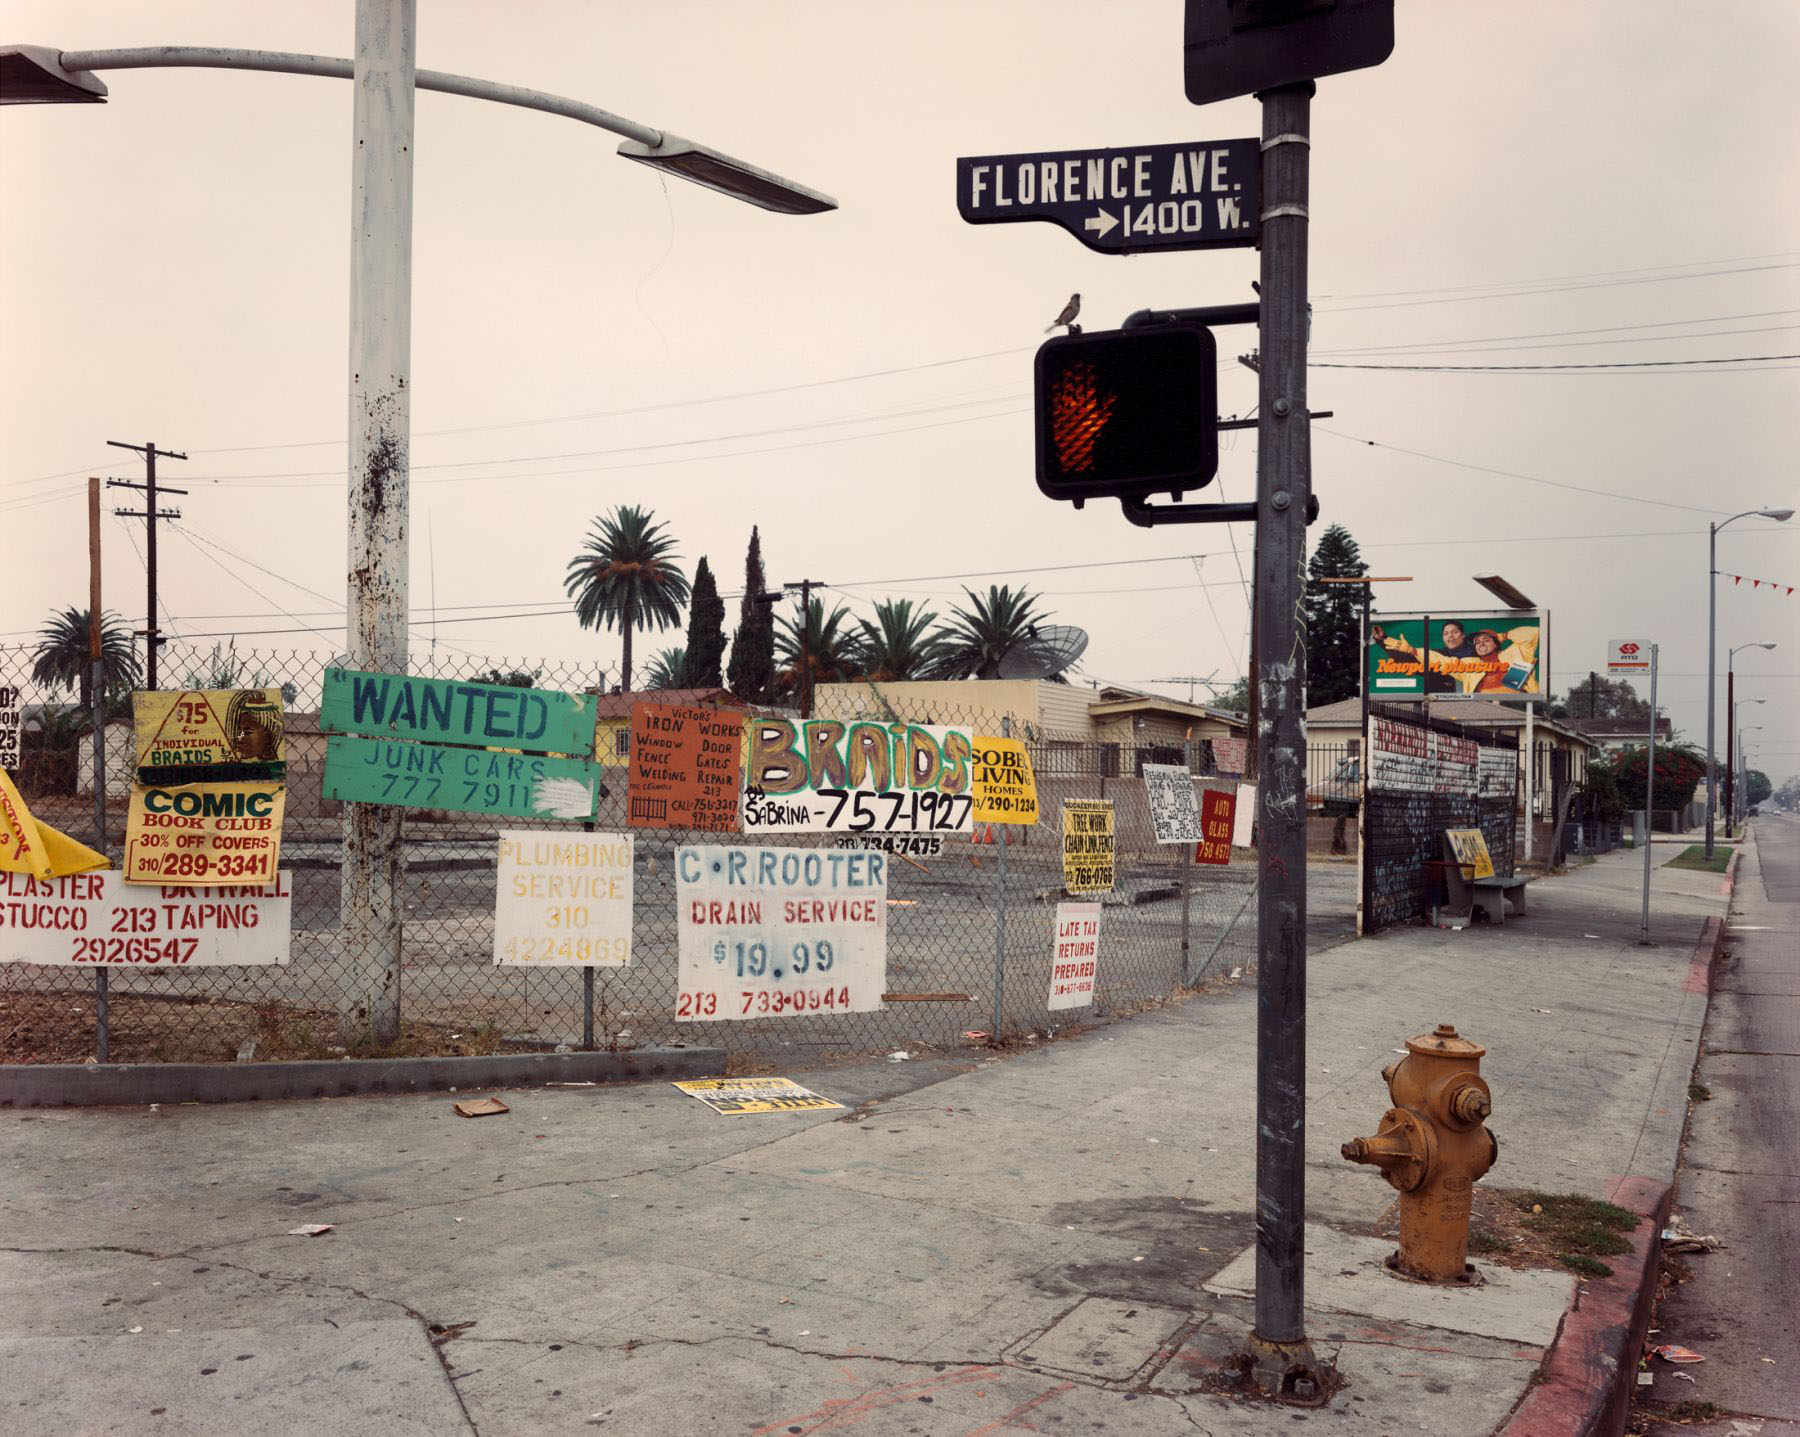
x,y
1741,1175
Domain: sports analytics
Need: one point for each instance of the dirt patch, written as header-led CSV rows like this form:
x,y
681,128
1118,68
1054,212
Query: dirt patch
x,y
1521,1227
60,1028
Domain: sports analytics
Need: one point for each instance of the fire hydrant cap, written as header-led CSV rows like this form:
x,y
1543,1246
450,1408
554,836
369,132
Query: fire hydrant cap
x,y
1444,1043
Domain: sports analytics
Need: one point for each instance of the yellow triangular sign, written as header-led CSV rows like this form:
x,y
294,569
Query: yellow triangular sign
x,y
28,845
68,855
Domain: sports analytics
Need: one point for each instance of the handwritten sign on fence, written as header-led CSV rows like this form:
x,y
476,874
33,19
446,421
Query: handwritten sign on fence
x,y
563,900
1218,815
1088,845
204,833
822,776
1075,955
1174,811
686,768
92,919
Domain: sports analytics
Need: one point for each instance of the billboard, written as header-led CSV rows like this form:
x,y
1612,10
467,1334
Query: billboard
x,y
1495,654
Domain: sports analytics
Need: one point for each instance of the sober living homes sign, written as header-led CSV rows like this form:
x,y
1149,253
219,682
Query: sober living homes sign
x,y
475,748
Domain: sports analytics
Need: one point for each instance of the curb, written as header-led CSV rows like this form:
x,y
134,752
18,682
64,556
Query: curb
x,y
1729,883
58,1085
1590,1372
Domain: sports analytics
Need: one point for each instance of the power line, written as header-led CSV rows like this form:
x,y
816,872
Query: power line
x,y
1527,368
1562,278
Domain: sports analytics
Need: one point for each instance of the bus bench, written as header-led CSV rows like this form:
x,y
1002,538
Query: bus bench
x,y
1469,889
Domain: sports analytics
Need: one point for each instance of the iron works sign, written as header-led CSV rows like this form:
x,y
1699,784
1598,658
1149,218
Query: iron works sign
x,y
1123,201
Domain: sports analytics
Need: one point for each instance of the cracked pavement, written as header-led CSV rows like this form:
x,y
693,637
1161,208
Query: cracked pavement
x,y
1035,1243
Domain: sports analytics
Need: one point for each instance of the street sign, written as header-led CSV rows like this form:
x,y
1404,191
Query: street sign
x,y
1127,412
1238,47
1133,200
1628,656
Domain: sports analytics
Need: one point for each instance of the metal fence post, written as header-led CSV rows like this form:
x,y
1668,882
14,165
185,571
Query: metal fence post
x,y
1187,864
1000,912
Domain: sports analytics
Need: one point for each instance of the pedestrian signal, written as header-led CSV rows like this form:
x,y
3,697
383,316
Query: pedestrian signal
x,y
1127,413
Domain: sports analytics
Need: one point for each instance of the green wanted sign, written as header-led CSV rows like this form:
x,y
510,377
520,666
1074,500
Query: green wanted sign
x,y
445,711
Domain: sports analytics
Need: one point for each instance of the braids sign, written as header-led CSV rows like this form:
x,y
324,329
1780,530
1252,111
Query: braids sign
x,y
823,776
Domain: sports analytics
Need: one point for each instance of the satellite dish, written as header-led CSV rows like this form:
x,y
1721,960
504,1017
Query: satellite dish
x,y
1047,651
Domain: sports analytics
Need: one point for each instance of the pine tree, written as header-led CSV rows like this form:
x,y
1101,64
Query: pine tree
x,y
1333,619
702,668
752,670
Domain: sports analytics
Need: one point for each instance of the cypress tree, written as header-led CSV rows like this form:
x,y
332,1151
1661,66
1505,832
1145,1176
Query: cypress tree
x,y
751,674
706,632
1333,619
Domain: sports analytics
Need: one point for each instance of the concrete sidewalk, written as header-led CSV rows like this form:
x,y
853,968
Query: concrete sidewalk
x,y
1054,1241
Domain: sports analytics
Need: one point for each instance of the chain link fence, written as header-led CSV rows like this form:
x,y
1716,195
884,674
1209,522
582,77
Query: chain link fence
x,y
969,929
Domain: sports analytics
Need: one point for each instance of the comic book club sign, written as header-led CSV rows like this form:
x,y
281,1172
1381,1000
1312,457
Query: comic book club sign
x,y
204,833
822,776
91,919
773,932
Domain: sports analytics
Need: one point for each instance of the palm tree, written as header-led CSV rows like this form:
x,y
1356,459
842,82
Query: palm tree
x,y
666,669
62,660
820,649
626,577
899,645
979,637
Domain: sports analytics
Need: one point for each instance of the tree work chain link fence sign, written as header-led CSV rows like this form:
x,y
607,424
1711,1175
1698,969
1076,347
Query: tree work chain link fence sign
x,y
686,768
563,900
1174,807
773,932
208,735
473,748
204,833
92,919
1075,955
822,776
1197,195
737,1096
1005,786
1088,845
10,723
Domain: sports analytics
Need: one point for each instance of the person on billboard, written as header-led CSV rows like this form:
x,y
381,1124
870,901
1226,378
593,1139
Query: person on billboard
x,y
1441,678
1508,661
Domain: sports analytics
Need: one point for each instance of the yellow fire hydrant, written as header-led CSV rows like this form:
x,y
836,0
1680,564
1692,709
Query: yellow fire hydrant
x,y
1432,1147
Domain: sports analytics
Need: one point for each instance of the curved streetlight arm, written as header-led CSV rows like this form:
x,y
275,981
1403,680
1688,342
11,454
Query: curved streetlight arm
x,y
44,74
210,57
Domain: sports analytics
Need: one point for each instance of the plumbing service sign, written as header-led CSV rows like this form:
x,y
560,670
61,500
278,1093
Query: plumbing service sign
x,y
564,900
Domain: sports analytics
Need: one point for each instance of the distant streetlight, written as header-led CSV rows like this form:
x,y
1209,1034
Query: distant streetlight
x,y
385,77
1507,593
1730,688
1712,654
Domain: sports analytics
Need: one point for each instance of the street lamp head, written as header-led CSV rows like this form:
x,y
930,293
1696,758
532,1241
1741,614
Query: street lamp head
x,y
717,171
1782,514
33,75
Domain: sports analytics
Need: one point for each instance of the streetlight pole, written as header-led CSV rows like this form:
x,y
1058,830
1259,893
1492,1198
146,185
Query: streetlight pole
x,y
1712,651
386,77
1730,677
1734,777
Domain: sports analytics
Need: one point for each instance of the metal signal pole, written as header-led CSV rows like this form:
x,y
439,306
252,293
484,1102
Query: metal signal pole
x,y
1282,1358
153,639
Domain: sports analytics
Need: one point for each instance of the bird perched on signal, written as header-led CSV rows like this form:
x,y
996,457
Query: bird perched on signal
x,y
1069,312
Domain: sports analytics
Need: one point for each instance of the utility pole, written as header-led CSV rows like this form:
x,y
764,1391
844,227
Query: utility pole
x,y
806,586
1730,733
149,514
97,698
1278,1344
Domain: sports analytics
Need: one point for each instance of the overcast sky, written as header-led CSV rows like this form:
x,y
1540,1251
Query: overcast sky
x,y
1613,182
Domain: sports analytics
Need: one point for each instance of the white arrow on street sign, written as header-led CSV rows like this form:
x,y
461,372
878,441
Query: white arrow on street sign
x,y
1102,224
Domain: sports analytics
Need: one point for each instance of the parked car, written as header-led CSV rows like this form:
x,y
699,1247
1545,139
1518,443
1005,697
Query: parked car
x,y
1338,794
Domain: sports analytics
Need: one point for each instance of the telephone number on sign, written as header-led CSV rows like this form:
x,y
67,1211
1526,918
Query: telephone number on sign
x,y
758,1001
174,951
859,810
199,865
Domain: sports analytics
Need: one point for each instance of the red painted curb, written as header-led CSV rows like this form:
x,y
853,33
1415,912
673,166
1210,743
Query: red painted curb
x,y
1591,1369
1699,978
